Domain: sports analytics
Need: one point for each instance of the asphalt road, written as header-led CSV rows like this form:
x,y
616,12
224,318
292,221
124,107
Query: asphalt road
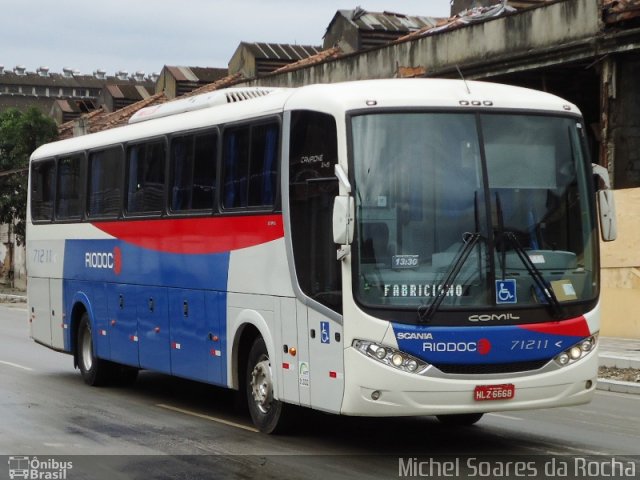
x,y
162,427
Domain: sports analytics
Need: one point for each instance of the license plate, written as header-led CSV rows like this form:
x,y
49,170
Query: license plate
x,y
483,393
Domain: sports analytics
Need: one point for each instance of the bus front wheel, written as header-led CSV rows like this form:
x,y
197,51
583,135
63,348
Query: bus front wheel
x,y
95,372
266,412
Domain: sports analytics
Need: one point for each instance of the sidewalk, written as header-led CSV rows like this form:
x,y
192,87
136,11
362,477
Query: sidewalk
x,y
616,354
12,295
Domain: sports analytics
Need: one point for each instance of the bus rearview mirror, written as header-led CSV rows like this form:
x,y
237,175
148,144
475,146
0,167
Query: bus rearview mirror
x,y
343,220
606,204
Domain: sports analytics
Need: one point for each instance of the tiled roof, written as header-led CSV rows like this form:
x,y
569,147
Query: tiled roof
x,y
217,85
324,55
98,120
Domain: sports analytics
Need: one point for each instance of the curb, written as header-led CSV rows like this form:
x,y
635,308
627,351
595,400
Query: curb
x,y
6,298
618,386
619,361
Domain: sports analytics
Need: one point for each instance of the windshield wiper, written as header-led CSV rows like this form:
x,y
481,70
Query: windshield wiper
x,y
535,274
425,312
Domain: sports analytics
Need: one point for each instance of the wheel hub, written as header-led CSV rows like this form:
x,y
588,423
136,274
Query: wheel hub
x,y
262,385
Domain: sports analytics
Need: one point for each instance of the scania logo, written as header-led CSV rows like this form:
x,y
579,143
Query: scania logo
x,y
492,317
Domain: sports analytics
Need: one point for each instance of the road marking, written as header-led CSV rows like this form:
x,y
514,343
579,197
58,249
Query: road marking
x,y
15,365
207,417
507,417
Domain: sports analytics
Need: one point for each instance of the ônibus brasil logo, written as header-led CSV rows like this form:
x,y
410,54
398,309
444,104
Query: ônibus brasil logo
x,y
104,260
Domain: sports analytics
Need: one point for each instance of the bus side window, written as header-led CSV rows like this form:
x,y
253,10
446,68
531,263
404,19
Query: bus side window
x,y
250,161
145,177
193,172
104,190
42,190
69,187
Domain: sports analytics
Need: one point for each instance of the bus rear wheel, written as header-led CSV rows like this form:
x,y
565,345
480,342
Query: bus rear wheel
x,y
94,371
460,419
266,412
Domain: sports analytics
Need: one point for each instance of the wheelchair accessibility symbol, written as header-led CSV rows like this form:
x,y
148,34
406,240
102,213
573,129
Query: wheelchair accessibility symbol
x,y
324,332
506,291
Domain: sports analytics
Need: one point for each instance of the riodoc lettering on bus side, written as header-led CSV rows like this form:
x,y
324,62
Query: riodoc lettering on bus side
x,y
104,260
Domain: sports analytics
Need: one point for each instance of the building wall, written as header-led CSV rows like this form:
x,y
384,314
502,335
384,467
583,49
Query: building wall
x,y
243,61
342,34
621,270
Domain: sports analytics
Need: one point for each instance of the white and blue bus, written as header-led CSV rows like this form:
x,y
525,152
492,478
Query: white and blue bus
x,y
375,248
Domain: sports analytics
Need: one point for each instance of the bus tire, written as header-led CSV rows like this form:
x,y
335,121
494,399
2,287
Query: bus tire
x,y
460,419
94,371
266,412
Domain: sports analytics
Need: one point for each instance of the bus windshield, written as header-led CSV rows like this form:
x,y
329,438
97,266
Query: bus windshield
x,y
477,210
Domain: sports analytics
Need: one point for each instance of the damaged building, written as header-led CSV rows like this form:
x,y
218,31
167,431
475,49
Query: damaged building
x,y
586,51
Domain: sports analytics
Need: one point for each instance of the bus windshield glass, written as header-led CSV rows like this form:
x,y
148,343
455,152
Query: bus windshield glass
x,y
477,210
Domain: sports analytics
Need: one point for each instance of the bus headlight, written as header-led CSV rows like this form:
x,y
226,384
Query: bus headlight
x,y
577,351
390,356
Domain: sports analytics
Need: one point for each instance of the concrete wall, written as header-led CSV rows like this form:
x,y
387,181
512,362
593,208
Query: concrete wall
x,y
621,270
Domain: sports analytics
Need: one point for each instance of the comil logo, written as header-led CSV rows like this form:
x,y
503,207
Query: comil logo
x,y
104,260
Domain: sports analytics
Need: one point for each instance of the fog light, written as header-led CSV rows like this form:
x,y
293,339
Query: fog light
x,y
375,395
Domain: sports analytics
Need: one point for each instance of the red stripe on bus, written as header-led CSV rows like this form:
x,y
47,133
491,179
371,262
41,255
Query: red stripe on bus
x,y
197,235
575,327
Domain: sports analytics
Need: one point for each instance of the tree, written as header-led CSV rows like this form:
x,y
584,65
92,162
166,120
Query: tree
x,y
20,134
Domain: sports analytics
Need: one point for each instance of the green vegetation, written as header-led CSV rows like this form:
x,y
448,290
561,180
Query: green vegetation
x,y
20,134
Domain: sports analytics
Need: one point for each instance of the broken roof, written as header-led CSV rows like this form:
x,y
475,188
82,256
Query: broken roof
x,y
280,51
383,21
196,74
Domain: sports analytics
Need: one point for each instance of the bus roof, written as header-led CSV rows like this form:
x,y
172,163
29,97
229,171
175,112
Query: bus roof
x,y
210,109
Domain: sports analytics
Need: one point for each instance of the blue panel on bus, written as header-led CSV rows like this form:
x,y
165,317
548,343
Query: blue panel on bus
x,y
216,308
188,326
163,311
489,344
123,325
119,262
153,329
